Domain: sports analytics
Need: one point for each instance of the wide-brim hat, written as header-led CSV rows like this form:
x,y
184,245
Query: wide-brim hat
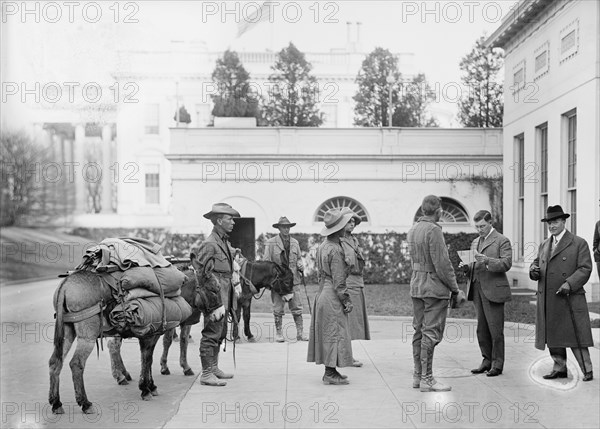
x,y
284,221
555,212
335,221
356,217
222,208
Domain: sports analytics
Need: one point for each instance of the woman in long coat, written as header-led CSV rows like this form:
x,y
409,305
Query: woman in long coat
x,y
359,324
329,342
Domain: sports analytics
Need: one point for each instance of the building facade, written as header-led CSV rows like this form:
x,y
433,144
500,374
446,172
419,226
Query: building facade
x,y
551,126
383,174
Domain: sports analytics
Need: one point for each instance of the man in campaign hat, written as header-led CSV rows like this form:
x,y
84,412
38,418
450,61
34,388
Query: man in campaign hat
x,y
215,256
285,250
562,268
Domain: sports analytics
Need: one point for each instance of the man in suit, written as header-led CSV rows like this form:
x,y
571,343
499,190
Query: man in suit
x,y
488,288
562,268
278,248
432,287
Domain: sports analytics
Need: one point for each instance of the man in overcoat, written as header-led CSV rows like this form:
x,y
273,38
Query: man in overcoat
x,y
215,258
283,245
562,268
432,285
488,288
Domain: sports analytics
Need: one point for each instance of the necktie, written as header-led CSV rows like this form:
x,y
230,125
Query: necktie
x,y
554,246
481,240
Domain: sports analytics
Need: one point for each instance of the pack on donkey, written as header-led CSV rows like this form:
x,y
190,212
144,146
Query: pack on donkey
x,y
123,287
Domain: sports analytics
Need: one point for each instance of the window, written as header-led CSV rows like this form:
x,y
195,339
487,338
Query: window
x,y
152,182
339,202
571,122
569,40
542,60
543,157
151,118
202,115
452,212
518,76
520,171
93,130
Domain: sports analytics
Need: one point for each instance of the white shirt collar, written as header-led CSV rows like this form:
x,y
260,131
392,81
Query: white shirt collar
x,y
557,238
489,233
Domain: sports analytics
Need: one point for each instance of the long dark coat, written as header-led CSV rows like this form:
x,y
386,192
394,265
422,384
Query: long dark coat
x,y
570,263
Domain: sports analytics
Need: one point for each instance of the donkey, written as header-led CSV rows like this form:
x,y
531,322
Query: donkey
x,y
188,292
83,290
262,274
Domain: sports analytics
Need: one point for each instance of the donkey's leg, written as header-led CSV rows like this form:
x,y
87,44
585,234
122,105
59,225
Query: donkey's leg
x,y
87,332
168,338
183,345
247,331
146,383
56,363
117,366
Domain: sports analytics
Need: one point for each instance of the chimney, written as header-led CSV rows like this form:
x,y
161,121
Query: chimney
x,y
348,32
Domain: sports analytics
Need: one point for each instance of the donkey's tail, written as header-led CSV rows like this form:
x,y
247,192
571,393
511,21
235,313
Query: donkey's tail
x,y
59,324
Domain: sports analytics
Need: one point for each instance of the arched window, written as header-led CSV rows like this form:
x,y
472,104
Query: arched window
x,y
452,212
339,202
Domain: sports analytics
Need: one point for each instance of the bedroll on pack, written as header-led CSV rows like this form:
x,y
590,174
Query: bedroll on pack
x,y
143,317
171,279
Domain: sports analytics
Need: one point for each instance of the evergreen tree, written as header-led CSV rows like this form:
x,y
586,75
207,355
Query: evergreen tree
x,y
482,104
293,92
409,100
235,96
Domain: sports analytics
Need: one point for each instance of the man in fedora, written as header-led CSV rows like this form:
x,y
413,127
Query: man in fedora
x,y
284,249
562,268
488,288
215,257
432,286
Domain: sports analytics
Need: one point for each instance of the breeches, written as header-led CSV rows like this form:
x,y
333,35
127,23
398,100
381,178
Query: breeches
x,y
429,321
294,304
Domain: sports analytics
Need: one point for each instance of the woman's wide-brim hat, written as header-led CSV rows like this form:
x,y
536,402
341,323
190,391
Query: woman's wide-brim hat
x,y
356,217
335,220
222,208
555,212
283,221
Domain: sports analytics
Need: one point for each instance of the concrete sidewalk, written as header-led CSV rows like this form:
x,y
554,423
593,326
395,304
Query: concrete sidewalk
x,y
274,386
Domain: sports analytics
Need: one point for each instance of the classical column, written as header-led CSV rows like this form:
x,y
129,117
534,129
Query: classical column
x,y
79,166
107,174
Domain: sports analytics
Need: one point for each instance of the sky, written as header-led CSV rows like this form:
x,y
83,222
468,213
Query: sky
x,y
437,33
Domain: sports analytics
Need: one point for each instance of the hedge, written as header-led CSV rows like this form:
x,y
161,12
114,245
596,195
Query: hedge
x,y
386,255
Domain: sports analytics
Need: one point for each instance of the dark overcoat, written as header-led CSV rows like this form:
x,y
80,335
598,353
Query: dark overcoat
x,y
570,263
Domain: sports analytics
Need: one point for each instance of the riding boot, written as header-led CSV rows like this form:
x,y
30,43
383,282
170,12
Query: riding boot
x,y
208,377
278,329
417,370
215,366
428,383
300,335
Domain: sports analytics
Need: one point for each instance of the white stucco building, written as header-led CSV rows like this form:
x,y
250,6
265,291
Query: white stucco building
x,y
551,125
383,173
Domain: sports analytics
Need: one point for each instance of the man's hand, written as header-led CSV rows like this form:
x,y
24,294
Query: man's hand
x,y
564,289
287,297
457,299
217,315
534,272
237,290
480,257
348,306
